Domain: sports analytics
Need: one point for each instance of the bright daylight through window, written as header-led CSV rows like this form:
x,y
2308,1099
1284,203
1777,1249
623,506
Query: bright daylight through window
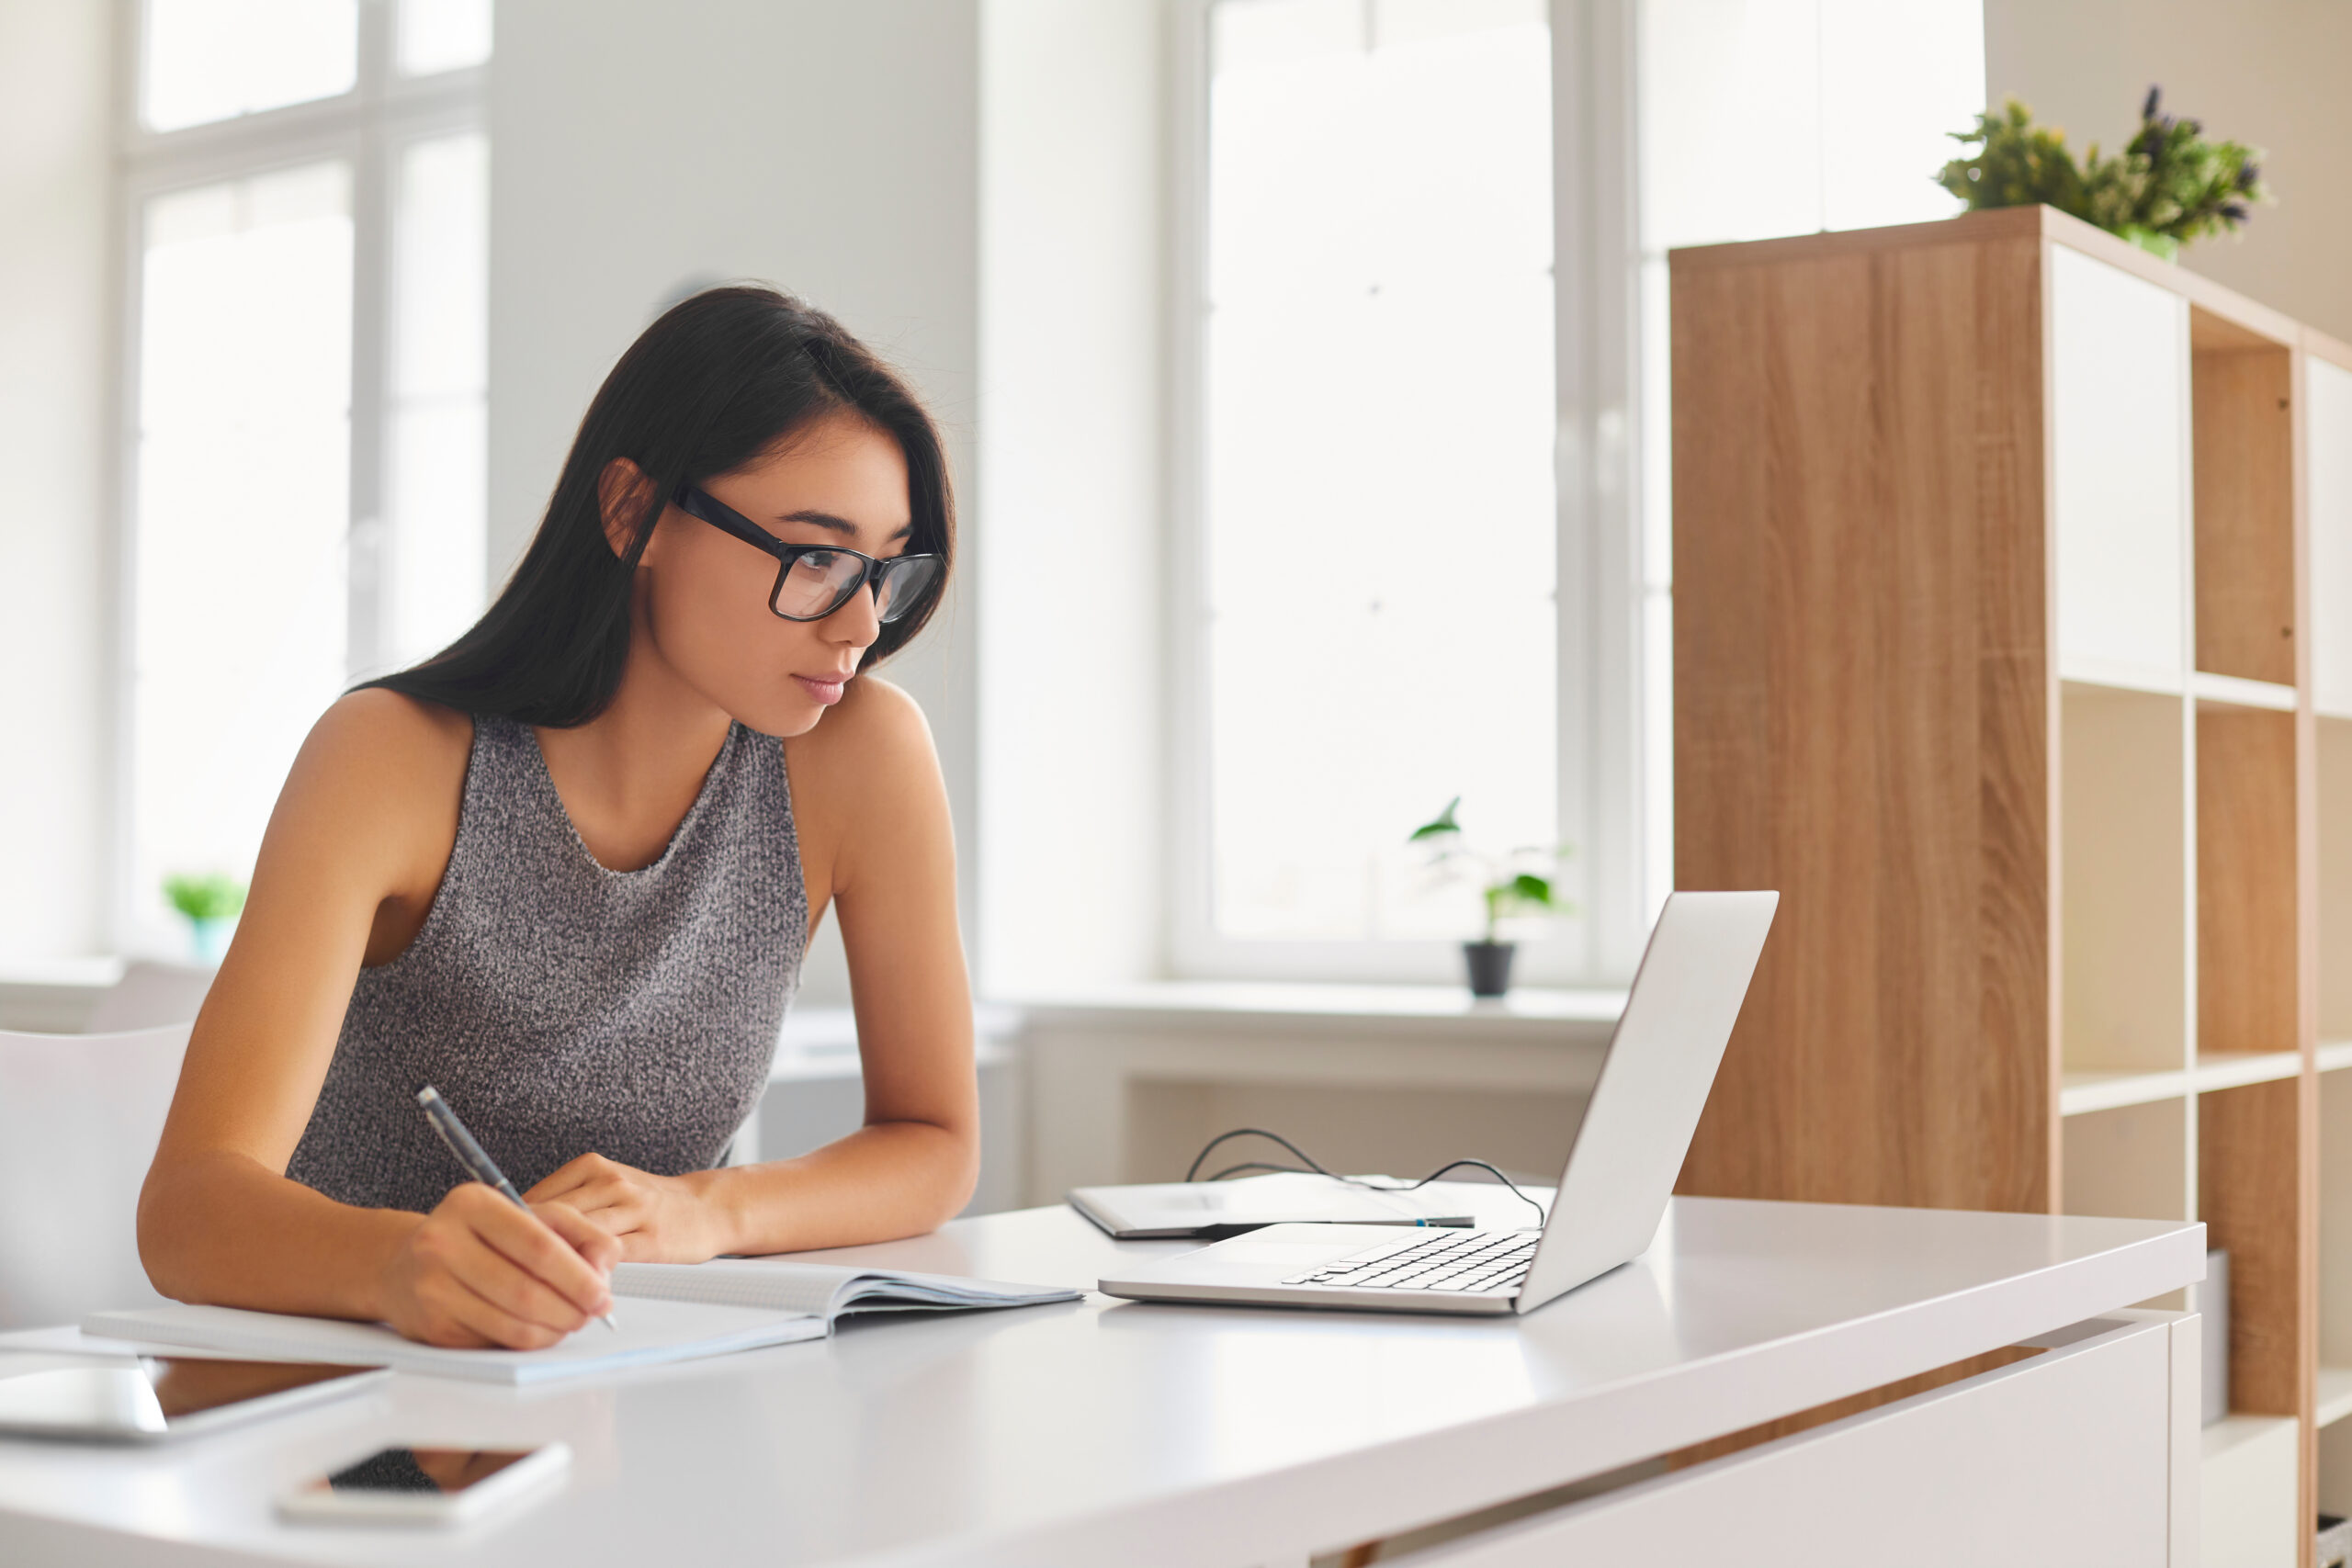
x,y
1379,512
307,471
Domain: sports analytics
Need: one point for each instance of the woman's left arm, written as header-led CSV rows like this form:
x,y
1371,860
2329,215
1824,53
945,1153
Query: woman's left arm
x,y
871,811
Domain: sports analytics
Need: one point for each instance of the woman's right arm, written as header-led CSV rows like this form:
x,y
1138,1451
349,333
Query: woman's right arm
x,y
353,857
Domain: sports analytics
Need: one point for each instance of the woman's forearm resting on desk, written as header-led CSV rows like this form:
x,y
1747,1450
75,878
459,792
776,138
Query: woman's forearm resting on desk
x,y
883,1181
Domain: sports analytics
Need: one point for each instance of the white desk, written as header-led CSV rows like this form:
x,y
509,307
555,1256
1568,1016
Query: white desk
x,y
1110,1432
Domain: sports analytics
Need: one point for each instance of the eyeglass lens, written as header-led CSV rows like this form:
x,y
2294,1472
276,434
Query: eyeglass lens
x,y
821,582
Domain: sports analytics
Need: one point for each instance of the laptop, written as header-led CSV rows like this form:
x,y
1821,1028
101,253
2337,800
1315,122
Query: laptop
x,y
1621,1165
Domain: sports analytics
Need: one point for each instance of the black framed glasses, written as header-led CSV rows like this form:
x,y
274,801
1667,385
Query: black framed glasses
x,y
813,581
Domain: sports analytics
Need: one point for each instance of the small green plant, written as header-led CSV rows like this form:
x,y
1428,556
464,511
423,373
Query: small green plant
x,y
2168,185
1508,884
216,897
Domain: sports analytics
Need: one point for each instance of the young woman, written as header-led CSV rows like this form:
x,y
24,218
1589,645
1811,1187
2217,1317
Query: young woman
x,y
566,870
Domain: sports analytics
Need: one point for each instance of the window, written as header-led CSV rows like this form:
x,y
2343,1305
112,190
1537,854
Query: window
x,y
1374,624
1424,519
307,189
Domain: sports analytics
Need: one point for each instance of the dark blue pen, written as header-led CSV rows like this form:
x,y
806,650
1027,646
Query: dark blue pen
x,y
474,1158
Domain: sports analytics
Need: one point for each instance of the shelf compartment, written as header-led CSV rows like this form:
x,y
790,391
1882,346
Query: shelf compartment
x,y
2129,1162
2327,399
2334,1395
2247,944
2243,462
2335,1231
2119,438
2334,880
2250,1197
2124,870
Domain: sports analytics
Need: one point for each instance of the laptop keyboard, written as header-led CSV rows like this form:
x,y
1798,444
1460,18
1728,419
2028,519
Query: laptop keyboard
x,y
1451,1260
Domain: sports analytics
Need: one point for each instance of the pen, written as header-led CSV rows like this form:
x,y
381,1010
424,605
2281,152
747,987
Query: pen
x,y
473,1156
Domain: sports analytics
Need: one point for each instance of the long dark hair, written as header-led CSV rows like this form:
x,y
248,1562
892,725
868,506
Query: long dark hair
x,y
720,377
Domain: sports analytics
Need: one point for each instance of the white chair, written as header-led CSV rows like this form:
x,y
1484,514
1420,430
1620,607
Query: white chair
x,y
149,996
80,1116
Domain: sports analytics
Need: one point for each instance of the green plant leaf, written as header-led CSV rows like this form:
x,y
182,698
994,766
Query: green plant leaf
x,y
1438,826
215,897
2169,185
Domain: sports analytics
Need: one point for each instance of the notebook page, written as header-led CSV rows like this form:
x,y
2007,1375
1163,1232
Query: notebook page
x,y
650,1332
736,1283
826,1287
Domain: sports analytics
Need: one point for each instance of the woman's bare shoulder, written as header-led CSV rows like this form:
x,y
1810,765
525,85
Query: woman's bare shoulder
x,y
383,759
381,732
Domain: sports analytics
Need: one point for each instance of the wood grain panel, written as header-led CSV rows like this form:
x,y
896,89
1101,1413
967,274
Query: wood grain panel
x,y
2243,445
2248,979
2251,1196
1862,715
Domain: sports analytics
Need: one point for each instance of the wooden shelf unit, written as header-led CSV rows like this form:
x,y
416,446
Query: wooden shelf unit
x,y
2013,644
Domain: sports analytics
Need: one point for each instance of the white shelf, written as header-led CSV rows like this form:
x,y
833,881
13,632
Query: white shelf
x,y
2076,669
2230,691
2235,692
2335,1394
2335,1054
2082,1092
2231,1069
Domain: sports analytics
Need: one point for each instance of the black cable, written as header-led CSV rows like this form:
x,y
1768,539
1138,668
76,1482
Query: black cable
x,y
1456,1165
1316,1167
1200,1159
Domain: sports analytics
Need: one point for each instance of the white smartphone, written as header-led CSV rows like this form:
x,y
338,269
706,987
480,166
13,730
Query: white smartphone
x,y
426,1485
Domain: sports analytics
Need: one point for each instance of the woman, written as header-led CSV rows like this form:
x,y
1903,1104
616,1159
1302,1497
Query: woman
x,y
565,871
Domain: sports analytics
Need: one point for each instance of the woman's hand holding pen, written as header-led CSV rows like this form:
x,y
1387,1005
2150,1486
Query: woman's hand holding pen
x,y
654,1219
478,1272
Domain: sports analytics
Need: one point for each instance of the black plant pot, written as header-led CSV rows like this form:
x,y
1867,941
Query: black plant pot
x,y
1489,963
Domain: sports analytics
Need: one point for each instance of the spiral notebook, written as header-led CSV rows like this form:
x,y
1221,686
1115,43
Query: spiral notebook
x,y
667,1312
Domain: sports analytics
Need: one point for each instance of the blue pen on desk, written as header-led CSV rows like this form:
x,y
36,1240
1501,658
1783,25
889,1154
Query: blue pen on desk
x,y
473,1156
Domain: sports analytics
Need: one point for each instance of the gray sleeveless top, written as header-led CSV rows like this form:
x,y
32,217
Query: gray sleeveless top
x,y
562,1009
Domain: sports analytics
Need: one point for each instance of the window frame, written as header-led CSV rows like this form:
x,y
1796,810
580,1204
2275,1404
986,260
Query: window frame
x,y
1604,810
368,128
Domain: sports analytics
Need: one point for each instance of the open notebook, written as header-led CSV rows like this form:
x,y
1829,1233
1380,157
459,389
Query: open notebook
x,y
668,1311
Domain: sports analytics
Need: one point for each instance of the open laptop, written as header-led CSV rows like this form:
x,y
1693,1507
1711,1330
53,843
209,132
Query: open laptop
x,y
1627,1151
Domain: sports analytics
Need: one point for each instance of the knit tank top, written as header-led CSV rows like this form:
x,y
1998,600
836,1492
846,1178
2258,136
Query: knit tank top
x,y
562,1009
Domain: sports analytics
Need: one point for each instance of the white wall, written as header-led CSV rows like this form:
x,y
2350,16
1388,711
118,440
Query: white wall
x,y
56,282
2267,72
1071,252
829,148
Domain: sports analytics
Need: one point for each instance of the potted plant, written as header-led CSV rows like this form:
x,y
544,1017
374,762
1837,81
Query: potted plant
x,y
1508,885
2168,184
212,904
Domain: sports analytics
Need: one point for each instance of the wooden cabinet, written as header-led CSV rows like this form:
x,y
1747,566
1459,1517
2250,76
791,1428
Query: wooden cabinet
x,y
2013,582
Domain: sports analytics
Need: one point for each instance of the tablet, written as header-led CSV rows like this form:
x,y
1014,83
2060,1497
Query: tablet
x,y
155,1398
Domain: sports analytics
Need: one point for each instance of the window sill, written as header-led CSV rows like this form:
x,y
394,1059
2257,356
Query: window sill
x,y
1530,1014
